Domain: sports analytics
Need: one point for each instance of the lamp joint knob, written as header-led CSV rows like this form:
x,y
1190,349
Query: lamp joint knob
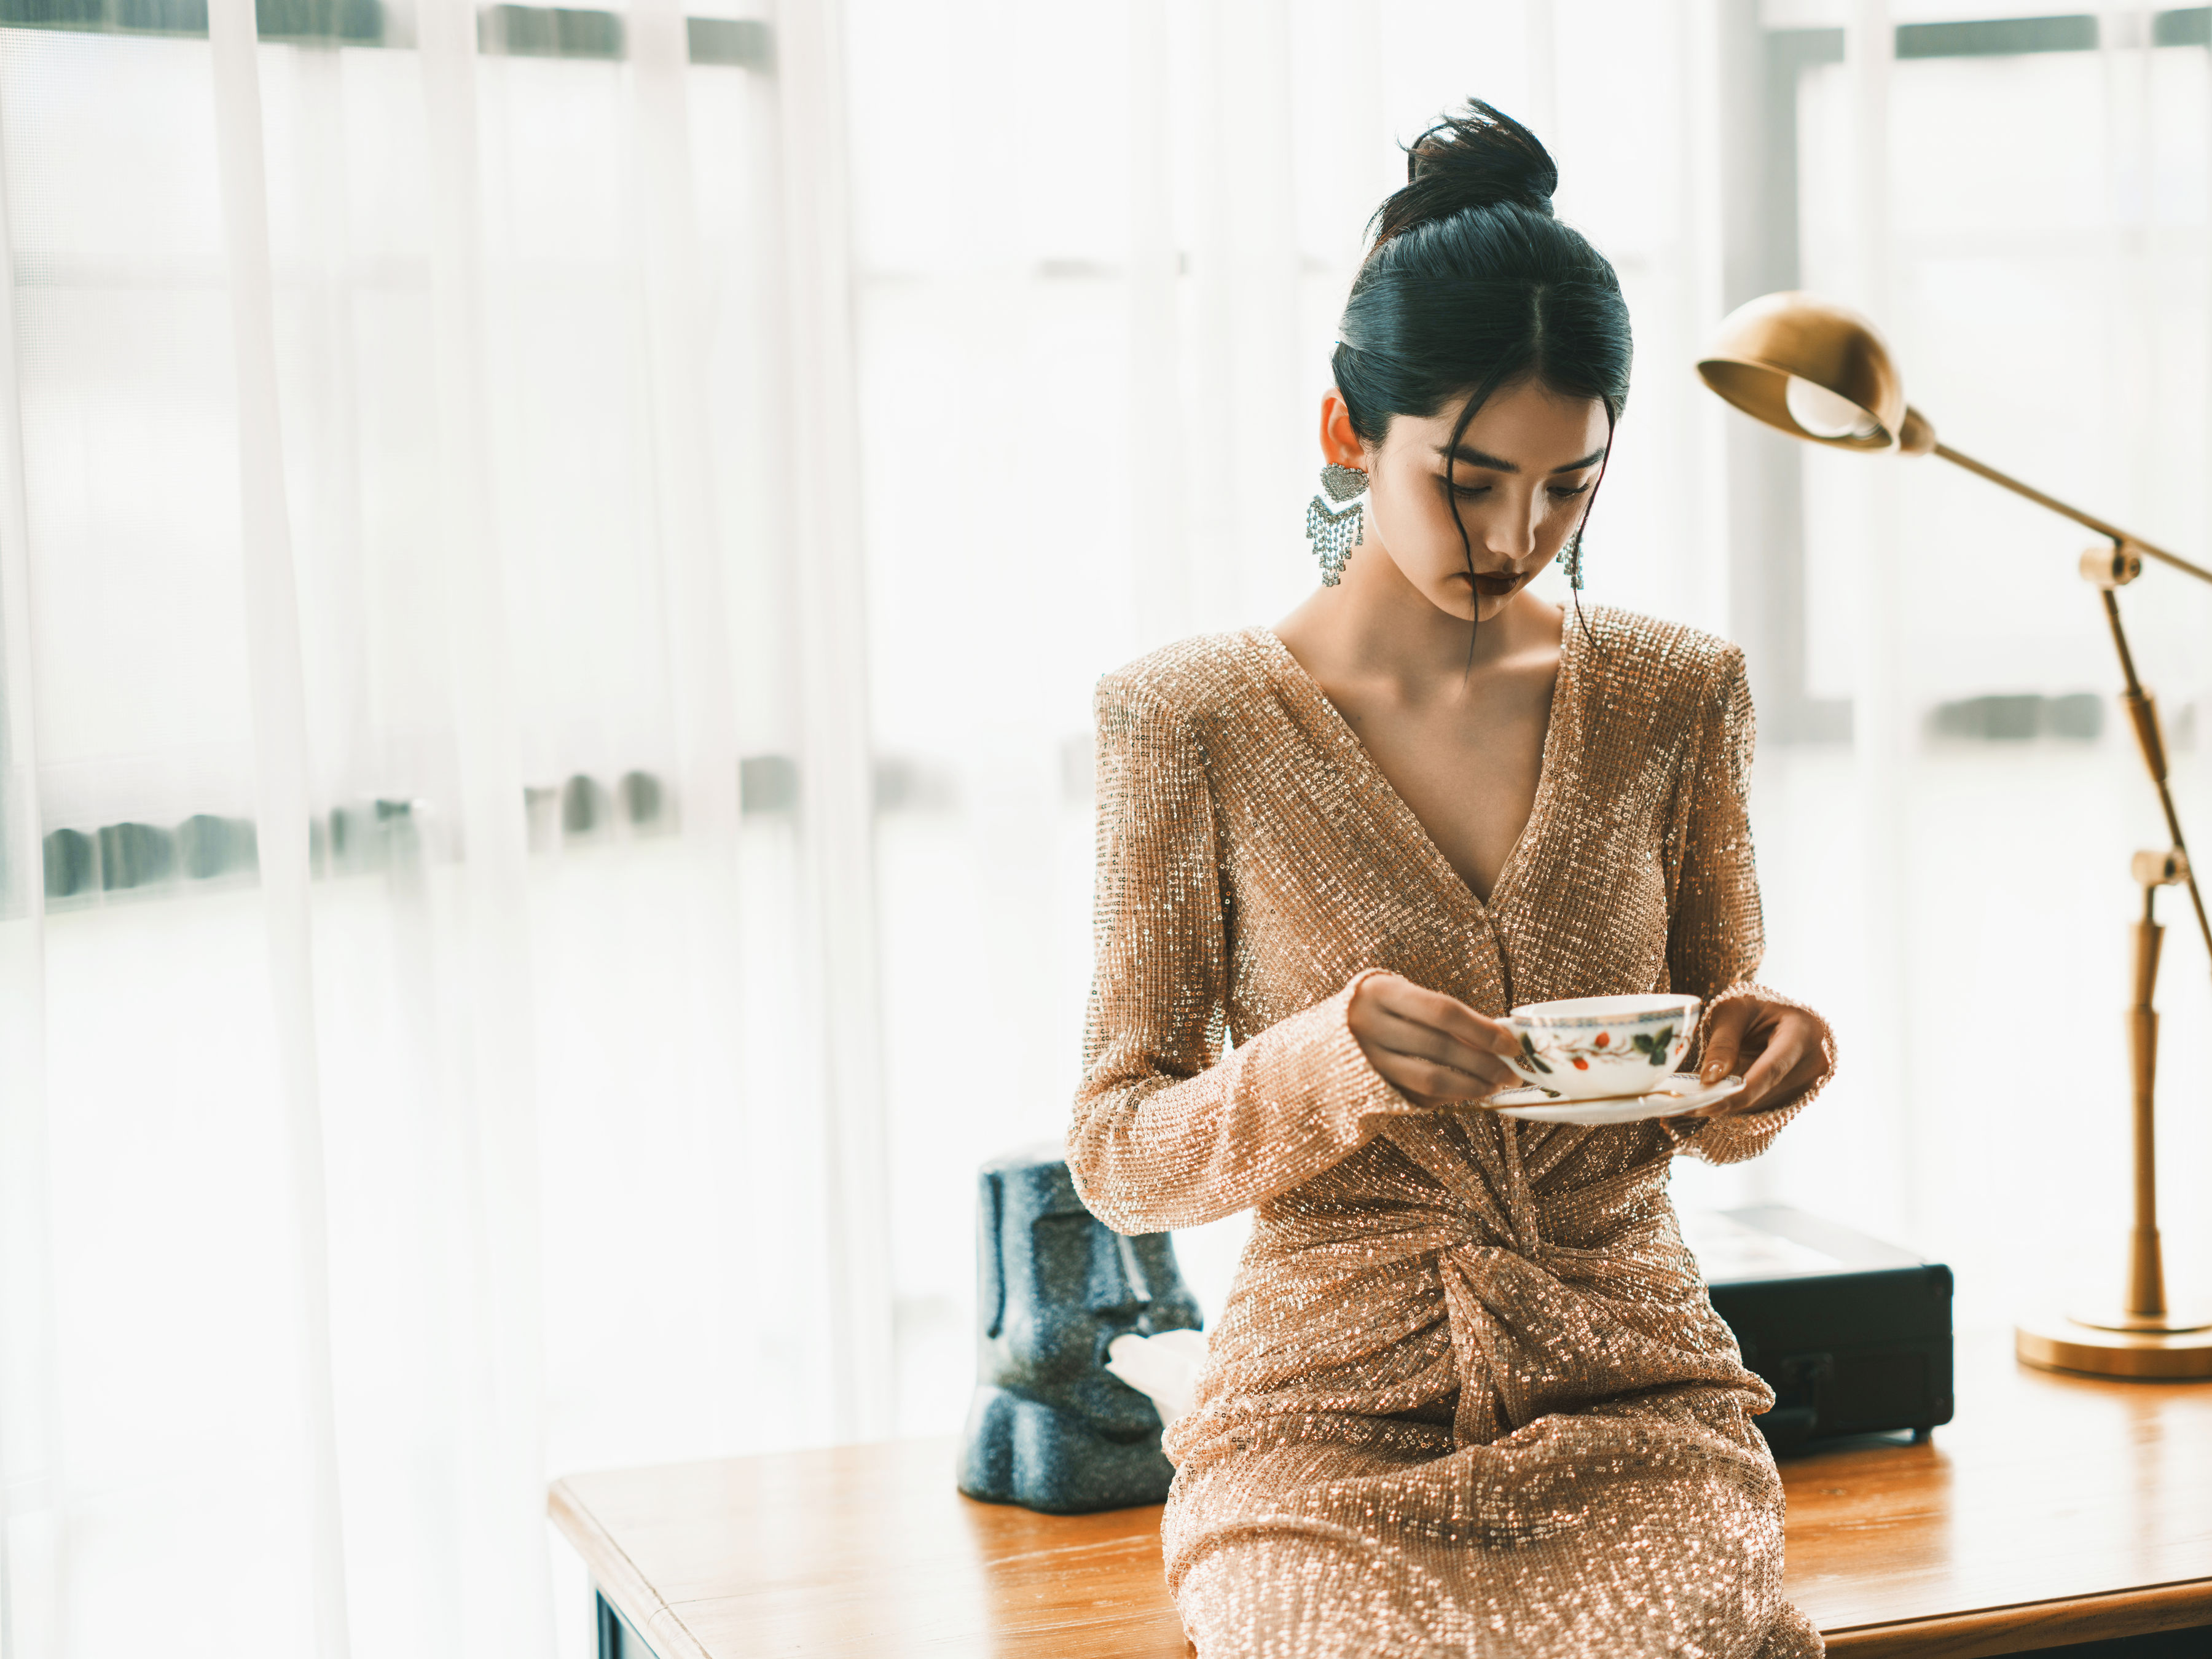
x,y
2160,868
2112,564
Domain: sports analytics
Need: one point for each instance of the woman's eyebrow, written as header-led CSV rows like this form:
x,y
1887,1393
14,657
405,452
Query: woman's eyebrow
x,y
1476,458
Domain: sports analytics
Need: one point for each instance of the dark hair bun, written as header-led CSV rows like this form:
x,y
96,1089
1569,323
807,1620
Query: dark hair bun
x,y
1479,157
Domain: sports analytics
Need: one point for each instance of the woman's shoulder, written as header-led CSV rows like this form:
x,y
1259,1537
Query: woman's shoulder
x,y
1670,664
1193,676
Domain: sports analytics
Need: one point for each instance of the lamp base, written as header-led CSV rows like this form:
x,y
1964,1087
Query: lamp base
x,y
2135,1347
2175,1322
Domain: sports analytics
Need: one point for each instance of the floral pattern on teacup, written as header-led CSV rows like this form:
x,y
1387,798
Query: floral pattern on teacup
x,y
1657,1047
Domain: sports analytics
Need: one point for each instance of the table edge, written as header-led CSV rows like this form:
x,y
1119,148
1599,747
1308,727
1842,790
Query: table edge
x,y
1979,1634
616,1577
1988,1631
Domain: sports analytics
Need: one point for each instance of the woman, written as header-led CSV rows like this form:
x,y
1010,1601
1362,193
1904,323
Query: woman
x,y
1469,1395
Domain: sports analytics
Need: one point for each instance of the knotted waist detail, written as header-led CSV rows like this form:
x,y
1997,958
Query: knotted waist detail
x,y
1455,1279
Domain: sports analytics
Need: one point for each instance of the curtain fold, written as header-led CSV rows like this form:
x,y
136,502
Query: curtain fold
x,y
277,688
836,800
500,1383
32,1481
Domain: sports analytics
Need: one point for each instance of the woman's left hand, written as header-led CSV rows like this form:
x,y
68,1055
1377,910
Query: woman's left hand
x,y
1776,1046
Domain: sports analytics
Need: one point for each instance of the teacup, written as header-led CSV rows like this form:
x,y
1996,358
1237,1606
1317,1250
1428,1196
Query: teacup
x,y
1586,1047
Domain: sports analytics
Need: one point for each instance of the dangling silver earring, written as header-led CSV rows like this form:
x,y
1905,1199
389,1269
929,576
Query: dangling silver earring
x,y
1334,530
1570,560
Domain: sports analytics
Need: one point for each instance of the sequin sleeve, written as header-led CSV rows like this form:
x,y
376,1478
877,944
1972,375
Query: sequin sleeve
x,y
1716,934
1167,1132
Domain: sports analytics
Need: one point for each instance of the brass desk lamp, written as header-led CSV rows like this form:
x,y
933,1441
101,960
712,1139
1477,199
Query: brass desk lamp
x,y
1819,371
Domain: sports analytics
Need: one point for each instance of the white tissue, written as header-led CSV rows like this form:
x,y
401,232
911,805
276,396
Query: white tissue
x,y
1164,1368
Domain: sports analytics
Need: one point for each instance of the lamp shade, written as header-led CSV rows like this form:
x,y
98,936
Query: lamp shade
x,y
1815,370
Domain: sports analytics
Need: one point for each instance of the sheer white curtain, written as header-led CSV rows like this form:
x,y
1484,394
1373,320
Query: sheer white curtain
x,y
439,988
551,569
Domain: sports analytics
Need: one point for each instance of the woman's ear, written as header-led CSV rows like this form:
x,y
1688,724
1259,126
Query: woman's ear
x,y
1340,444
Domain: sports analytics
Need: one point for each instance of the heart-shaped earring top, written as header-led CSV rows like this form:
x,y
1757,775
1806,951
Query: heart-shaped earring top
x,y
1342,482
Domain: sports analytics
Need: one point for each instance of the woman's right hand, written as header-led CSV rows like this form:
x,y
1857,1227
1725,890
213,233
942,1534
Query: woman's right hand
x,y
1432,1048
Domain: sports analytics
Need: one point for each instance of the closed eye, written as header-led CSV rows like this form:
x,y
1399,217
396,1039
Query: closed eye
x,y
1558,492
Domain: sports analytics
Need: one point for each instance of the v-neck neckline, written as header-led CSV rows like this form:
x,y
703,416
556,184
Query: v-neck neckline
x,y
1563,685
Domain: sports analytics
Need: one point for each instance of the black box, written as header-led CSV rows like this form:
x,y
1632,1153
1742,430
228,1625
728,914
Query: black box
x,y
1853,1335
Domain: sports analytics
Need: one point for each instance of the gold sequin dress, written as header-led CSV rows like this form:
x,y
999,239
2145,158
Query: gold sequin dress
x,y
1469,1395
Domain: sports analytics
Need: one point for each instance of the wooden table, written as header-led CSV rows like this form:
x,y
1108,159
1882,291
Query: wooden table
x,y
2055,1510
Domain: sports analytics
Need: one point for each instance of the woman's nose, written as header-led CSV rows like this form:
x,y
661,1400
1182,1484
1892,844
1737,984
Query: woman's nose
x,y
1512,534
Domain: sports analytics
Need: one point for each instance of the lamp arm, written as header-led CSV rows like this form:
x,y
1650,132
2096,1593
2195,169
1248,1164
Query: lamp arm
x,y
2110,532
2142,712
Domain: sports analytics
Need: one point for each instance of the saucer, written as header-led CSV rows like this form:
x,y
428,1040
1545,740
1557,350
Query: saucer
x,y
1678,1092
